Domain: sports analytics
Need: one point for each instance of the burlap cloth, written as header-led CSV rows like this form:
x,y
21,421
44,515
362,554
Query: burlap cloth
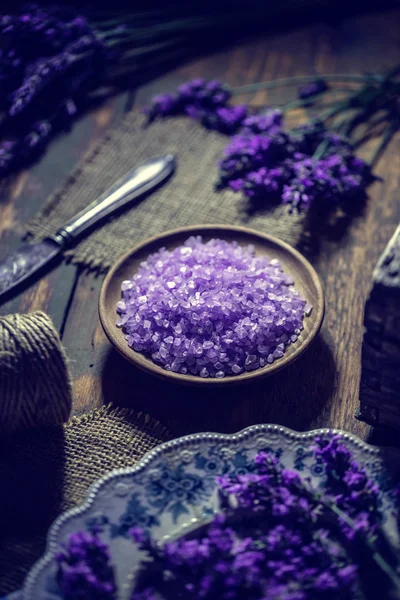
x,y
45,471
188,199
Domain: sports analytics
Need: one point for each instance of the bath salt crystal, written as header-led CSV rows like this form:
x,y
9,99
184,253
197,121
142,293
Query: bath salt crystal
x,y
211,309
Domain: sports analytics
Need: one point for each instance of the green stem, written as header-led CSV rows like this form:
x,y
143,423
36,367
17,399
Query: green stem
x,y
128,40
387,136
350,102
378,558
372,123
152,48
292,105
320,150
196,23
287,81
180,26
333,111
158,62
106,23
305,102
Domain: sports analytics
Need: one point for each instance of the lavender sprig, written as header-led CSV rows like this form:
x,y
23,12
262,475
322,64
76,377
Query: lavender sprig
x,y
276,165
309,90
311,167
16,153
197,98
84,569
45,70
278,538
82,56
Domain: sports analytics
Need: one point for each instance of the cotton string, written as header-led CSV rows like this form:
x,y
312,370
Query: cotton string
x,y
35,386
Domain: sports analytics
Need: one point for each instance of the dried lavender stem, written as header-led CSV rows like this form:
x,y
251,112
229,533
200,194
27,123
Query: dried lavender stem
x,y
287,81
385,140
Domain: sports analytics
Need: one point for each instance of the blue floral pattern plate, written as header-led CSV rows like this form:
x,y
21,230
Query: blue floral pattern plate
x,y
173,489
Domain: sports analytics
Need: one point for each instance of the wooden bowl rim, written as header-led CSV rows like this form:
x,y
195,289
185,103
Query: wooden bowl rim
x,y
146,364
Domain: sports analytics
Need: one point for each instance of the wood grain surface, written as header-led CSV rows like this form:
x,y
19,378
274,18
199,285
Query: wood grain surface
x,y
322,388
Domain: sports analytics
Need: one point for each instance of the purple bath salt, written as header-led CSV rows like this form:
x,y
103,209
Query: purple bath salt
x,y
211,309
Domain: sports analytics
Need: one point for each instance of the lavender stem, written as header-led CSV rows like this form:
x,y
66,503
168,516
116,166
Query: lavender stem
x,y
287,81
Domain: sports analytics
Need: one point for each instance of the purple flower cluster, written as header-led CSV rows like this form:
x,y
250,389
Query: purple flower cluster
x,y
349,487
336,179
33,33
308,166
204,101
268,164
225,119
12,152
48,58
263,122
312,89
84,569
275,538
49,75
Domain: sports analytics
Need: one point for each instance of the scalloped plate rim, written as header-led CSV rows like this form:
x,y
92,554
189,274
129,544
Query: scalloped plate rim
x,y
51,539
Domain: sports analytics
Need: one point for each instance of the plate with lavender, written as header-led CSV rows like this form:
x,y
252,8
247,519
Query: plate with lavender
x,y
212,305
264,513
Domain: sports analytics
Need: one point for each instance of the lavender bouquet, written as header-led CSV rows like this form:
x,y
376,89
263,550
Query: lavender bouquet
x,y
56,62
276,537
310,166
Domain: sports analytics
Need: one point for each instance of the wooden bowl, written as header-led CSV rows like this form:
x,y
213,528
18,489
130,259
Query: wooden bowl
x,y
306,282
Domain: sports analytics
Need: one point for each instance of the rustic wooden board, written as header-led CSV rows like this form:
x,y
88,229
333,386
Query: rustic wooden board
x,y
322,388
380,376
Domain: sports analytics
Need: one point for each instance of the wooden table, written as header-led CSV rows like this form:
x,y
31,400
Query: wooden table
x,y
321,389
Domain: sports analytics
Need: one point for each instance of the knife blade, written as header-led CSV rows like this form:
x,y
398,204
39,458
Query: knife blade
x,y
20,265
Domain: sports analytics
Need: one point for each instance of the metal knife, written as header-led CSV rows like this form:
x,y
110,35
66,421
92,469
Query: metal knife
x,y
29,258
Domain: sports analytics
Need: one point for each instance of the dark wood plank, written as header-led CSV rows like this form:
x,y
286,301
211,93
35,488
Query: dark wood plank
x,y
322,388
380,376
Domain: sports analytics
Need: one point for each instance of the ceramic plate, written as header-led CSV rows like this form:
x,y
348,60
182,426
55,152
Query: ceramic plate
x,y
173,488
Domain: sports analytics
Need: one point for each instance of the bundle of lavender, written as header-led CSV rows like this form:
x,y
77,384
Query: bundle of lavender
x,y
55,61
312,165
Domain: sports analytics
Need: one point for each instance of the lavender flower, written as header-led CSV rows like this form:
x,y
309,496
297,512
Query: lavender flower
x,y
256,164
37,138
84,569
35,33
312,89
14,154
7,156
328,182
349,486
200,100
276,165
163,105
270,542
306,138
277,537
203,94
225,119
264,122
82,55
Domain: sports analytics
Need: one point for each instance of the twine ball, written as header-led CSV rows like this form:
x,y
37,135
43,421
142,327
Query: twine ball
x,y
35,385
